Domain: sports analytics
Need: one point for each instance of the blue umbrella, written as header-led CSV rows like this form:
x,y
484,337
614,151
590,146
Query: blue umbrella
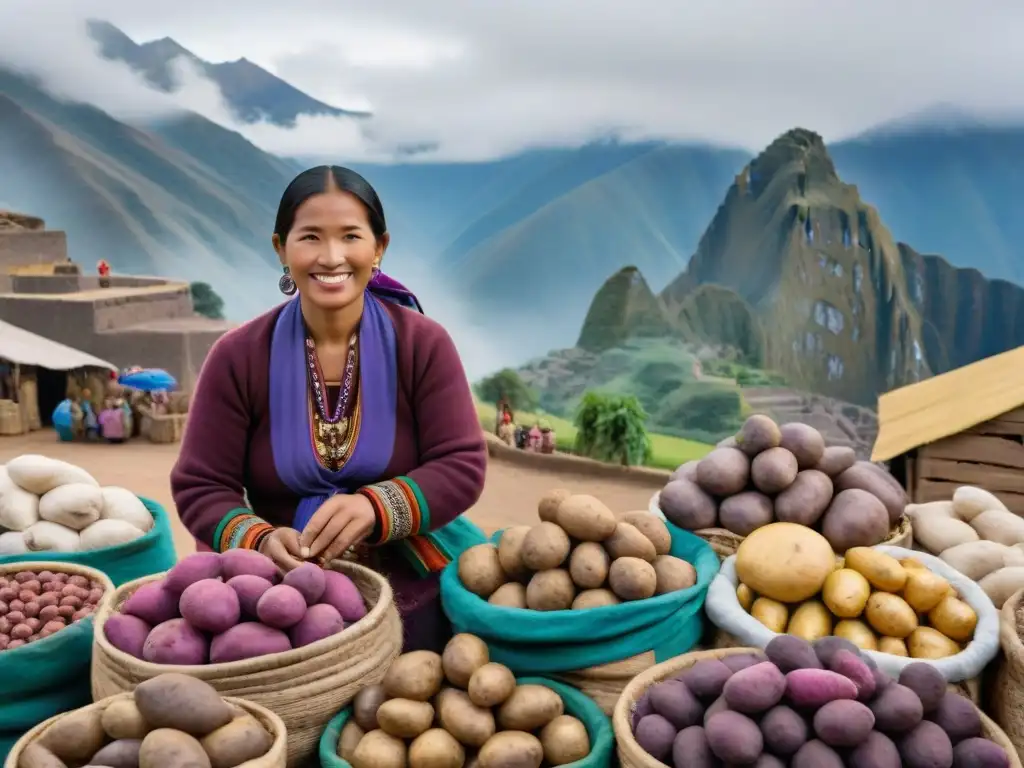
x,y
147,380
62,421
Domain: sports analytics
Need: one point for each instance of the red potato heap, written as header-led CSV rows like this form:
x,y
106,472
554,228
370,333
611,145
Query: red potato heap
x,y
214,608
170,721
810,706
770,473
35,605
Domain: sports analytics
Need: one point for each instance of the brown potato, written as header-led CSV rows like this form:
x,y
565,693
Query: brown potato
x,y
545,547
688,505
804,442
855,518
510,552
586,518
565,740
510,595
491,684
463,655
723,472
588,565
405,718
651,526
365,706
836,459
627,541
929,643
349,739
457,714
436,748
594,598
168,748
511,749
879,483
773,471
551,590
632,578
547,509
890,615
122,720
805,501
672,574
758,433
35,755
529,707
480,570
75,737
685,471
240,740
416,675
379,750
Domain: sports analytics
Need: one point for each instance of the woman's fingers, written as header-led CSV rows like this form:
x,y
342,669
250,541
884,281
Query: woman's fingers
x,y
329,532
316,524
283,548
345,539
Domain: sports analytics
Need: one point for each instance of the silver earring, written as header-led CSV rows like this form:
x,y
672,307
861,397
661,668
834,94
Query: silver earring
x,y
286,285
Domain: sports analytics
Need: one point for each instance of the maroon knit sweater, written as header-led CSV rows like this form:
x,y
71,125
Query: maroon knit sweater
x,y
226,457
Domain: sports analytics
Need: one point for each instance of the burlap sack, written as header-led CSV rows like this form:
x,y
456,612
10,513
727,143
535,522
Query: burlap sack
x,y
1007,704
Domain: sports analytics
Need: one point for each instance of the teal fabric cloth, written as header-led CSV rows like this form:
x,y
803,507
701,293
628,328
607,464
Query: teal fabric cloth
x,y
534,642
149,554
599,728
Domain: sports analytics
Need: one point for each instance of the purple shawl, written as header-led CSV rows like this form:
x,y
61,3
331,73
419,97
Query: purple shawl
x,y
290,429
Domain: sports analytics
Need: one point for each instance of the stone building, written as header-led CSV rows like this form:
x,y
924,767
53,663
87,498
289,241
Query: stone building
x,y
145,321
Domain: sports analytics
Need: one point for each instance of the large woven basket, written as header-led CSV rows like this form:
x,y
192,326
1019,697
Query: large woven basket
x,y
304,686
1007,701
725,542
632,756
604,683
274,758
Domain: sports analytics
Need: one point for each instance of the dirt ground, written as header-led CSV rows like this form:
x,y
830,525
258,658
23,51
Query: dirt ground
x,y
510,494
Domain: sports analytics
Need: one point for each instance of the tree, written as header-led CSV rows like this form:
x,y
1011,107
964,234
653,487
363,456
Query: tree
x,y
508,385
206,301
612,428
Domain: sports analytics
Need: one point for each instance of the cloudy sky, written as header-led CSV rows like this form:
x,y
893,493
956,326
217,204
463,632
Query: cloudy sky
x,y
487,77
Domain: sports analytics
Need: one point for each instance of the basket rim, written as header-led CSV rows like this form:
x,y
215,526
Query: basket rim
x,y
261,713
373,618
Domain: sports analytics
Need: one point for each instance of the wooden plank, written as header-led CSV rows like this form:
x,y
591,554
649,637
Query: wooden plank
x,y
997,451
911,473
933,490
968,473
1017,414
998,427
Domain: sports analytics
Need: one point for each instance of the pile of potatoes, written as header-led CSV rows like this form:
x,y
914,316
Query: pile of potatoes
x,y
791,582
215,608
810,706
976,534
579,556
170,721
459,710
35,605
48,505
785,474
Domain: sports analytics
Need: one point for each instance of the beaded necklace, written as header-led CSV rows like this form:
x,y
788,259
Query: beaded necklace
x,y
332,428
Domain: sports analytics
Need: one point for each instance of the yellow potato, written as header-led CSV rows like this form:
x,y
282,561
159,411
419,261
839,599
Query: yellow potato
x,y
846,592
954,618
924,589
746,596
929,643
858,633
882,571
909,562
785,562
893,646
810,621
890,615
771,613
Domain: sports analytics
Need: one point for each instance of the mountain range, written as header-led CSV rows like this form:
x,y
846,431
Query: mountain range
x,y
521,244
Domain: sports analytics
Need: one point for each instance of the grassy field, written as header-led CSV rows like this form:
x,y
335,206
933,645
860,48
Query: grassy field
x,y
667,452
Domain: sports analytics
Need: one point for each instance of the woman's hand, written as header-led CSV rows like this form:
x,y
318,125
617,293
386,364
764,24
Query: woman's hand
x,y
282,546
341,522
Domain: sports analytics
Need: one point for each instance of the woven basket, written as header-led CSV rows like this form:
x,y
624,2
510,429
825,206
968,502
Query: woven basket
x,y
1007,700
725,542
305,686
275,757
632,756
604,683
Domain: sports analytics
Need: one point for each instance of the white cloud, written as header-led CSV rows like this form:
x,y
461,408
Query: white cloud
x,y
483,79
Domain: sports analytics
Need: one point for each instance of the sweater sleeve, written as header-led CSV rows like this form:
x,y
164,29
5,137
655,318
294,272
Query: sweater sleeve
x,y
453,455
207,481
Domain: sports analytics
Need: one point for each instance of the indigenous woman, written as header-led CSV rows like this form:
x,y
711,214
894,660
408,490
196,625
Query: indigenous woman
x,y
343,417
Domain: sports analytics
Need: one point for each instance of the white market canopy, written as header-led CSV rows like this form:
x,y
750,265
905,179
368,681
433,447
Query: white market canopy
x,y
26,348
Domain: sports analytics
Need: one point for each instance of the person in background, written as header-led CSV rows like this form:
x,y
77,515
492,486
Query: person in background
x,y
340,422
507,430
535,438
103,269
77,423
112,422
547,439
92,424
62,420
126,416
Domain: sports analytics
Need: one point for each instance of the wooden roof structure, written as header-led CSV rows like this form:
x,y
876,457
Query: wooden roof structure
x,y
949,403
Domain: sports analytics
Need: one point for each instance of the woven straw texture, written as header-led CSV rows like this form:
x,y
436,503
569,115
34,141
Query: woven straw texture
x,y
632,756
275,757
1008,692
603,684
306,686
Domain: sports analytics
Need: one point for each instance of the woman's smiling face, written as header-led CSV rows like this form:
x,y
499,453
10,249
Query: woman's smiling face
x,y
331,250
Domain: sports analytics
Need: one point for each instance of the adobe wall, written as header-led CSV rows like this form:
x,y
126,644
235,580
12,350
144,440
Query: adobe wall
x,y
69,322
125,311
24,248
